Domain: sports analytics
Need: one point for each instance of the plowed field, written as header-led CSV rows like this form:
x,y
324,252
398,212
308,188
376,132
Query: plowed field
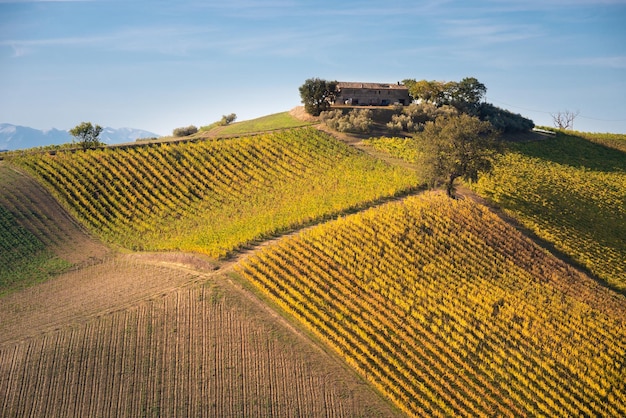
x,y
154,334
199,350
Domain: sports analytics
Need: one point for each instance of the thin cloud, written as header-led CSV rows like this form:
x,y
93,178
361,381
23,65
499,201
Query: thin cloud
x,y
164,40
613,62
486,32
541,5
43,1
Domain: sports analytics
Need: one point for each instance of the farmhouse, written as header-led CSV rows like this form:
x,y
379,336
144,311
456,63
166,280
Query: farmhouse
x,y
372,94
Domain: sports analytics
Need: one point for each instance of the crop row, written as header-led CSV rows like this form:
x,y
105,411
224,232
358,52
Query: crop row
x,y
449,311
579,209
24,258
567,190
214,196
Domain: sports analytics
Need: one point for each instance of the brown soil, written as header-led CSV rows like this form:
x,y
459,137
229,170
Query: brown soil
x,y
155,334
299,113
200,350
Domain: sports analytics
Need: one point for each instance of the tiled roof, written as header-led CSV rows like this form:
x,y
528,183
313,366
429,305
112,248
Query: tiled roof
x,y
380,86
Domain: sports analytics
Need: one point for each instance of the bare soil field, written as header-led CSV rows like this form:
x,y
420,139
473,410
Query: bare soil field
x,y
108,286
154,334
206,349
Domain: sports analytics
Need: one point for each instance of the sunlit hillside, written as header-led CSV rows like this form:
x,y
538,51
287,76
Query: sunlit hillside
x,y
215,196
299,273
451,312
568,190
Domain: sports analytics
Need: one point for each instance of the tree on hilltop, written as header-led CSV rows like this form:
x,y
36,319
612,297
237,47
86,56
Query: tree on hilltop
x,y
227,119
467,94
424,91
317,95
86,135
456,146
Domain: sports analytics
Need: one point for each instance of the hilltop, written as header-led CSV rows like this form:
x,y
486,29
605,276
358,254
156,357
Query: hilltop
x,y
297,272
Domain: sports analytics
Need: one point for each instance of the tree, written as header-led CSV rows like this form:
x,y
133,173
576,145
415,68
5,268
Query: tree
x,y
317,95
467,94
227,119
457,146
184,131
86,135
438,93
464,95
564,120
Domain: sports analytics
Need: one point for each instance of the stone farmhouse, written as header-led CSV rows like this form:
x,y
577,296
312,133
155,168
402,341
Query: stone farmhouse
x,y
372,94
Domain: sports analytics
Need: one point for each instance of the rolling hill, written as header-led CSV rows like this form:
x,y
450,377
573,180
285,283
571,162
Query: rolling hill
x,y
290,273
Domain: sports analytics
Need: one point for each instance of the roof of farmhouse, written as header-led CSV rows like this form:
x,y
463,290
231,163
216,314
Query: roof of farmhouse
x,y
379,86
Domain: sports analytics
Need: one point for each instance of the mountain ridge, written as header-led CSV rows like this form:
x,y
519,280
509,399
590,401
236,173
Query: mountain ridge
x,y
15,137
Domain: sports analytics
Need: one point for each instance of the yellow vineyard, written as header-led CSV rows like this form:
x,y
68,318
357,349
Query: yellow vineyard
x,y
451,312
215,196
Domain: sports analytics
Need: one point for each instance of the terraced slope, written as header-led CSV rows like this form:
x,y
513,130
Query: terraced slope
x,y
572,193
451,312
215,196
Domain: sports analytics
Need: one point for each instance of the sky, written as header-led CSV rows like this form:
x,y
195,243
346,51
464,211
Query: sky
x,y
158,65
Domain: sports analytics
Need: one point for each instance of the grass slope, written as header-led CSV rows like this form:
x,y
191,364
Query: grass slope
x,y
451,312
24,259
282,120
37,237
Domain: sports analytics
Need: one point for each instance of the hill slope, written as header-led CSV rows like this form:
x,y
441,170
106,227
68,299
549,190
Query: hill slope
x,y
572,193
567,190
39,239
452,312
218,195
151,334
196,346
438,304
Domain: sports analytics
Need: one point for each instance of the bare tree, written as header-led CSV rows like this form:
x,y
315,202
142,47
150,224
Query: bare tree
x,y
564,120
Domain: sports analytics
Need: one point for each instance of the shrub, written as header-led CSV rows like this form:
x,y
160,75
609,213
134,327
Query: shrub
x,y
414,116
504,120
356,121
227,119
185,131
403,123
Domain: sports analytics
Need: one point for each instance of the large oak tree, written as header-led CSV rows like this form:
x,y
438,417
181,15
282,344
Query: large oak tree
x,y
454,147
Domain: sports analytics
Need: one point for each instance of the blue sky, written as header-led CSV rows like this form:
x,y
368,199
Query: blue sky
x,y
158,65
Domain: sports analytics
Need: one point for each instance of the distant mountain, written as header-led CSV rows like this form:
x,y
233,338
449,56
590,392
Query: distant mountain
x,y
13,137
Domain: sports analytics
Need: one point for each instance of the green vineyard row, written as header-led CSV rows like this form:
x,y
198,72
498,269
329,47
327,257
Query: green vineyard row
x,y
214,196
451,312
567,190
23,257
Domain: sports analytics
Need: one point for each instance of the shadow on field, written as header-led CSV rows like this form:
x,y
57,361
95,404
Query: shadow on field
x,y
575,151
